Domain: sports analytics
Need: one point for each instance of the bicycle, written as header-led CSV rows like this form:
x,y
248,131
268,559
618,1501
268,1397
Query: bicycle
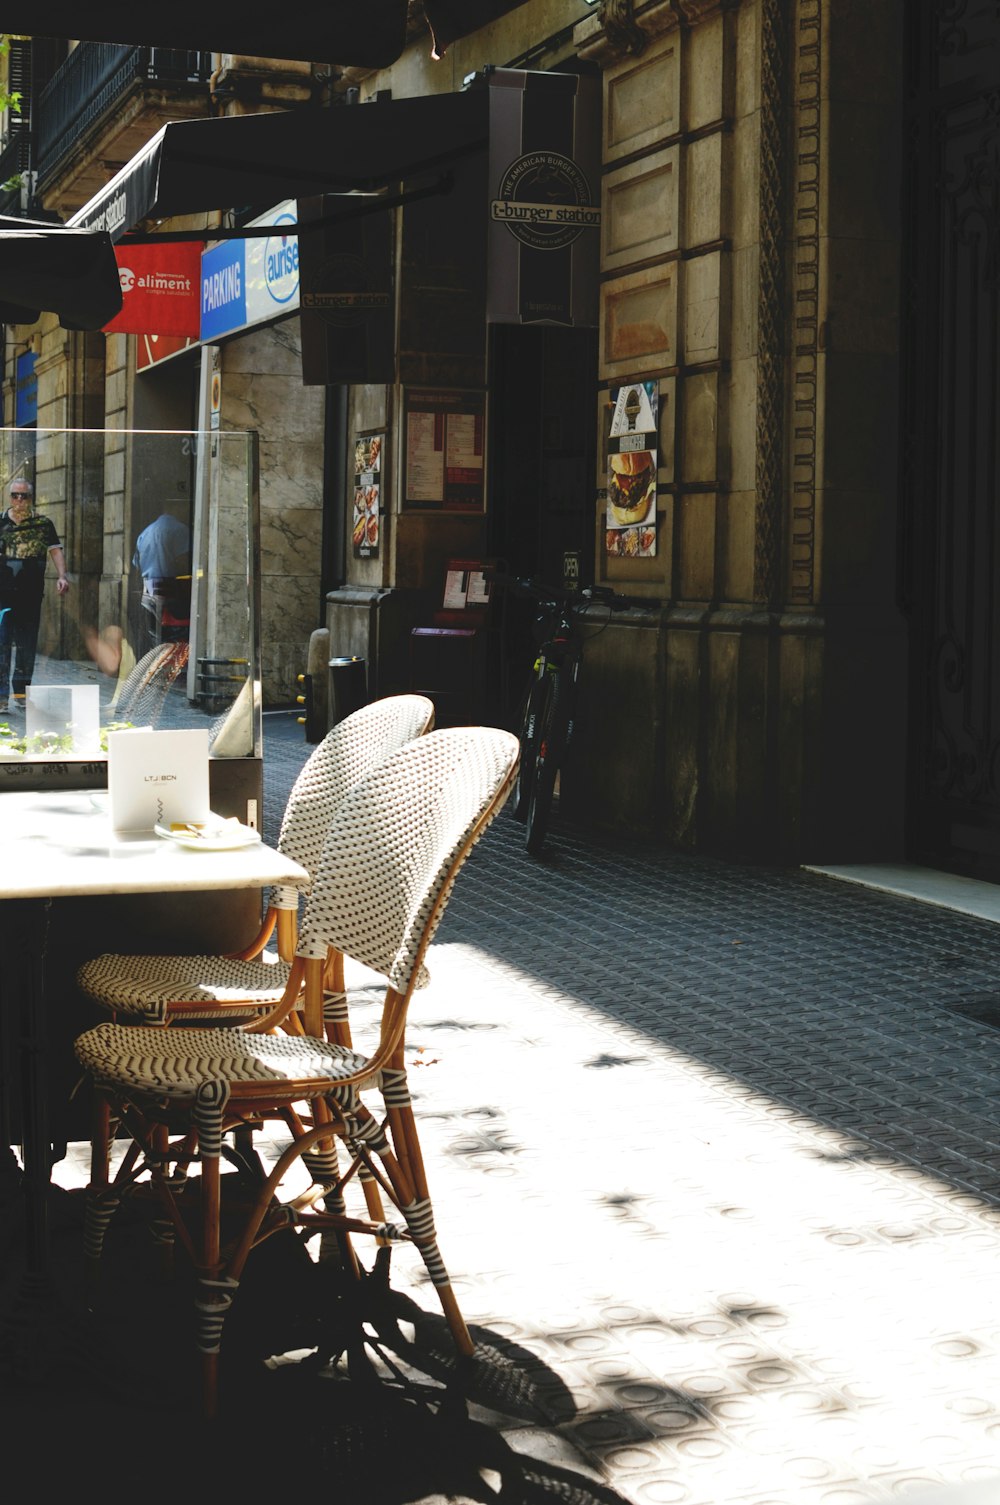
x,y
548,718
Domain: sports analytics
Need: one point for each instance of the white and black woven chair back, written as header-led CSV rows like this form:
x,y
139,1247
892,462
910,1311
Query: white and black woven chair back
x,y
346,755
397,845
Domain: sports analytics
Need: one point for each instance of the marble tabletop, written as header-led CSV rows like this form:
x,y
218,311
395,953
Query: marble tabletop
x,y
61,845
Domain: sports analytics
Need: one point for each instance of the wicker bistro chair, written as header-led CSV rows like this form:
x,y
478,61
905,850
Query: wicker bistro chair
x,y
399,844
159,989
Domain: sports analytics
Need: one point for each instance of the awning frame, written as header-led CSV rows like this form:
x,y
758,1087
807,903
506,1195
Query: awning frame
x,y
202,166
365,207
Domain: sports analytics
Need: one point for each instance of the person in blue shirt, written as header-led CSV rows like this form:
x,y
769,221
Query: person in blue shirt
x,y
163,558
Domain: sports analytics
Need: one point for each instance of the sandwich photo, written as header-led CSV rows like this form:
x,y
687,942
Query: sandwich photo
x,y
631,486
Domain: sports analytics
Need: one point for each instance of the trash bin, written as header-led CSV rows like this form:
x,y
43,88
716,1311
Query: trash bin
x,y
348,687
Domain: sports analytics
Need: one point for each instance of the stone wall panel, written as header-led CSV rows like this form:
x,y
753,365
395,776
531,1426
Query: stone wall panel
x,y
740,409
700,428
703,308
641,100
616,782
640,216
736,561
704,73
639,323
666,456
696,520
703,198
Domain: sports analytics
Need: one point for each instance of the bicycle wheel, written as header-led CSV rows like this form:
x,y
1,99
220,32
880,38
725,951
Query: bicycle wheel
x,y
551,745
531,723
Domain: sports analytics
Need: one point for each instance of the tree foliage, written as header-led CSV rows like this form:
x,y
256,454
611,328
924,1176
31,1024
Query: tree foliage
x,y
10,99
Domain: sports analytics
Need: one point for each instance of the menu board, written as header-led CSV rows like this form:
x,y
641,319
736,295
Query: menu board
x,y
445,450
424,460
366,525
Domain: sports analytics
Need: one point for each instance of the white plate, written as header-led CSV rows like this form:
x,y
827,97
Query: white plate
x,y
211,838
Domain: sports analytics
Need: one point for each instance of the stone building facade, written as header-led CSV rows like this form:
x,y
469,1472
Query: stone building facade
x,y
751,178
749,275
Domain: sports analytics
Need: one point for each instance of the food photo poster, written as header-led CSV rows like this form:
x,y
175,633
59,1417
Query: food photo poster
x,y
367,486
630,528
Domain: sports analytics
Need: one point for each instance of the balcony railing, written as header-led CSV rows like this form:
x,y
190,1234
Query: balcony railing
x,y
15,158
90,83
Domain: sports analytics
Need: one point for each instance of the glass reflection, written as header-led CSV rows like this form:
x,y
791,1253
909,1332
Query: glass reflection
x,y
128,590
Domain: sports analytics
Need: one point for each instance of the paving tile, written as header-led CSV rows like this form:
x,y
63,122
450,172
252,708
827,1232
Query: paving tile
x,y
719,1176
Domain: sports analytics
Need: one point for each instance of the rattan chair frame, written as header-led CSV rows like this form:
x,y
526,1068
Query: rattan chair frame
x,y
322,1105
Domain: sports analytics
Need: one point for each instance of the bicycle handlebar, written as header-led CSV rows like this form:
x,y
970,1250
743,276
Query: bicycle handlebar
x,y
550,596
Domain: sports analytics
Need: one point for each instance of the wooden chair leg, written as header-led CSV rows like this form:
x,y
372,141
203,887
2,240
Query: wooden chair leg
x,y
288,924
215,1292
410,1192
99,1208
372,1194
161,1226
322,1164
336,1021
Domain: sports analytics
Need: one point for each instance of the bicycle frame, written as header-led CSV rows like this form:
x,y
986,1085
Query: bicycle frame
x,y
549,714
561,656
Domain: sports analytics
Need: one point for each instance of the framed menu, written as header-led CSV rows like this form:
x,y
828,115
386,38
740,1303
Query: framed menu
x,y
366,525
445,450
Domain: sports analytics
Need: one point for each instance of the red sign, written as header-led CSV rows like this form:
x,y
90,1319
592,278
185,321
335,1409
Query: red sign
x,y
151,349
160,286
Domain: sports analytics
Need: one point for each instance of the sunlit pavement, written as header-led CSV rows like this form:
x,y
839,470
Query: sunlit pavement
x,y
720,1147
715,1159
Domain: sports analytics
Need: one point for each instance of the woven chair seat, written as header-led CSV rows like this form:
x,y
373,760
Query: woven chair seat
x,y
175,1064
143,987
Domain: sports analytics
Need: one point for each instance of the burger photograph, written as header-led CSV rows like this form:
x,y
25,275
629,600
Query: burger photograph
x,y
631,486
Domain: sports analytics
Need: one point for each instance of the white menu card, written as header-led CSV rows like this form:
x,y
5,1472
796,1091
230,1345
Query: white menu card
x,y
155,778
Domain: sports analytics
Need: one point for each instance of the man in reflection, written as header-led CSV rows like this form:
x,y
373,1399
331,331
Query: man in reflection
x,y
163,558
26,541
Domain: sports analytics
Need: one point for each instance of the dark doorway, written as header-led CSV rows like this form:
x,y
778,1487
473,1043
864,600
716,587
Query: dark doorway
x,y
949,464
542,429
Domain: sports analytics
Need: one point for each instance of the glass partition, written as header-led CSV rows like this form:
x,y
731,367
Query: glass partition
x,y
155,622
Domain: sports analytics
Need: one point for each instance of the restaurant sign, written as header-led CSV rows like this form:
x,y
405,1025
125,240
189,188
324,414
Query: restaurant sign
x,y
347,321
544,205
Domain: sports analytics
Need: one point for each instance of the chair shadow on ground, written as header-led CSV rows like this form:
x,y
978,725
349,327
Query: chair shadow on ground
x,y
397,1419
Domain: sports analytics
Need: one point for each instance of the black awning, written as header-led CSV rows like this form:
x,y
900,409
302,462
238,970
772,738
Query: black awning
x,y
358,33
351,33
48,268
195,166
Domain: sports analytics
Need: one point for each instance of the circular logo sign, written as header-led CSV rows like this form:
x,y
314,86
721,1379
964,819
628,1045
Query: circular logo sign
x,y
544,200
281,263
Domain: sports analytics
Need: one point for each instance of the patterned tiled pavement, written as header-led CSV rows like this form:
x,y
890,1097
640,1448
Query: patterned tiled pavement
x,y
719,1146
715,1157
